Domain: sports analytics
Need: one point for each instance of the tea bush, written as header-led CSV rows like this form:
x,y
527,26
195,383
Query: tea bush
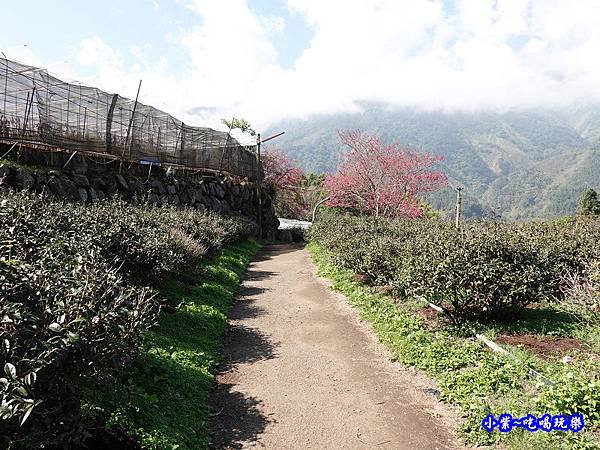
x,y
479,381
482,271
151,242
74,298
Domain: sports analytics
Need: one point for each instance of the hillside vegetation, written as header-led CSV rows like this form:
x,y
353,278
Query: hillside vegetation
x,y
520,164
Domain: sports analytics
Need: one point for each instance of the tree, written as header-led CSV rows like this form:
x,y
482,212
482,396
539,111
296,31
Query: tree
x,y
240,124
589,205
283,178
382,180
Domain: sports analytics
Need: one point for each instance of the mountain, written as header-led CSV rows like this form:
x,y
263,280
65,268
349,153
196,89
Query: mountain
x,y
519,164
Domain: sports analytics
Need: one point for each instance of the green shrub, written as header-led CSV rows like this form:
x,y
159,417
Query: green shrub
x,y
74,299
477,272
66,313
482,271
564,247
479,381
150,242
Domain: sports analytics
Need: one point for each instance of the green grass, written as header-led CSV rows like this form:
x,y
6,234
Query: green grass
x,y
163,401
469,375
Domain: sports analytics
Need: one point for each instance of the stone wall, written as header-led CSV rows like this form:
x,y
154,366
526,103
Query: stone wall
x,y
89,180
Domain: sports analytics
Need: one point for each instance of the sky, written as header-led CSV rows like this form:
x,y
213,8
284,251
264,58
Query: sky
x,y
267,60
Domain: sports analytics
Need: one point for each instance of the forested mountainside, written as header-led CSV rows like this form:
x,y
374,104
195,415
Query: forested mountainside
x,y
519,164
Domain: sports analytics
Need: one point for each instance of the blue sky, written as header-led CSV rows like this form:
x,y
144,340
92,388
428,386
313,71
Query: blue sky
x,y
56,26
269,59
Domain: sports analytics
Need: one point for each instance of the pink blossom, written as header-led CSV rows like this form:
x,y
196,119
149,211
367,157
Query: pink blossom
x,y
383,180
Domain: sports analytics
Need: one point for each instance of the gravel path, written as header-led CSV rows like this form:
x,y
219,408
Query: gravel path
x,y
304,372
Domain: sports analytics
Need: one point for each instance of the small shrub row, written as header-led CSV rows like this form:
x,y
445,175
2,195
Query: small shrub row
x,y
479,381
163,400
481,271
76,290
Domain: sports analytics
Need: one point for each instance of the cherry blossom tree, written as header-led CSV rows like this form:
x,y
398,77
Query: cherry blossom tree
x,y
284,178
382,180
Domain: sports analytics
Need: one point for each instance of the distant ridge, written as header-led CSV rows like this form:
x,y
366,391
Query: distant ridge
x,y
519,164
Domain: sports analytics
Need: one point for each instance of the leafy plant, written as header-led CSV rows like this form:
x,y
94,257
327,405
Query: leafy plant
x,y
75,298
482,271
479,381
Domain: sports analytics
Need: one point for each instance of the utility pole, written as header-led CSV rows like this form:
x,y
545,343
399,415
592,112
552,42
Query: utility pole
x,y
258,186
458,203
259,142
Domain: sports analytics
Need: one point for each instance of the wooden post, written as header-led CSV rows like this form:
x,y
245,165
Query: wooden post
x,y
182,136
84,122
5,89
24,114
258,188
458,203
131,123
227,144
79,112
28,108
109,119
68,107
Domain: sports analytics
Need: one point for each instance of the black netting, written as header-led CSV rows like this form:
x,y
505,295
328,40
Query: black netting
x,y
36,107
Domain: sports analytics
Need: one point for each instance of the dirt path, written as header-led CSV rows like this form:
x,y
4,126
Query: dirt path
x,y
305,372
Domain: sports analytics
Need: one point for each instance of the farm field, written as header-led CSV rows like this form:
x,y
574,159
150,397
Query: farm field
x,y
111,318
503,281
122,346
300,224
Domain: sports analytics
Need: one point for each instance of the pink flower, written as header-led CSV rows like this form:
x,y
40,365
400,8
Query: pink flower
x,y
383,180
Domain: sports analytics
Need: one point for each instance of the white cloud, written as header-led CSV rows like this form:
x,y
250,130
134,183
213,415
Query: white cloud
x,y
487,54
228,50
22,54
94,51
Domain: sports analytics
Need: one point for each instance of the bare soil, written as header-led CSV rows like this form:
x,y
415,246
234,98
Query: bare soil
x,y
432,320
304,372
543,346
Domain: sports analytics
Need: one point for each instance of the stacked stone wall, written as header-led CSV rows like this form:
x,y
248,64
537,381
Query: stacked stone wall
x,y
87,180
